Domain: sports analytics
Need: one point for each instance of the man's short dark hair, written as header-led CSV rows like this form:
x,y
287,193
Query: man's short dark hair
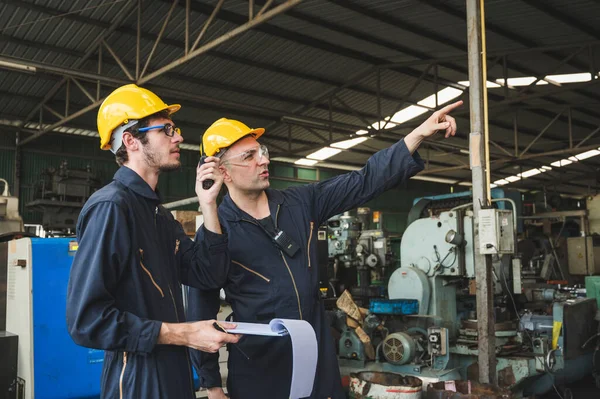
x,y
121,155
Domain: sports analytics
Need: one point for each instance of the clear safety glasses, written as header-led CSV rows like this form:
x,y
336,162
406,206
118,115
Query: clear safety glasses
x,y
245,158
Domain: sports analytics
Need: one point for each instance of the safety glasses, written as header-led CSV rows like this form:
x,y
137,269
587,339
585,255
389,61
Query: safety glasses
x,y
167,129
244,158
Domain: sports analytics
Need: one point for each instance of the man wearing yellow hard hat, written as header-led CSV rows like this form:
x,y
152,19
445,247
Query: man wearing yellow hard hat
x,y
124,294
273,249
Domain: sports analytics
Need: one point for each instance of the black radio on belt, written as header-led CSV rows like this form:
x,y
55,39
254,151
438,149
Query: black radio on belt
x,y
285,243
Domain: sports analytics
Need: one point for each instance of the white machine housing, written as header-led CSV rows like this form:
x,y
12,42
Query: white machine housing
x,y
418,241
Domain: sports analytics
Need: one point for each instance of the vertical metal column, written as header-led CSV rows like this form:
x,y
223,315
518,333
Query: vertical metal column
x,y
16,187
483,263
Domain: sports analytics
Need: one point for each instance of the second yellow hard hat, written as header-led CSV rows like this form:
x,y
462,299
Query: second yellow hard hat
x,y
224,132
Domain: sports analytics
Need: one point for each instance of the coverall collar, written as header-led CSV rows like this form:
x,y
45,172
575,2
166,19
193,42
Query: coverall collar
x,y
233,213
134,182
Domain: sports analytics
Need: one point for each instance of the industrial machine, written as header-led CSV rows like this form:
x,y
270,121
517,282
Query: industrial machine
x,y
10,220
50,364
9,386
544,333
359,256
60,195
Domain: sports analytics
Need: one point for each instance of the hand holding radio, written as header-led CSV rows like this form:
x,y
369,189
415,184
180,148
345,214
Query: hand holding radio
x,y
208,183
208,179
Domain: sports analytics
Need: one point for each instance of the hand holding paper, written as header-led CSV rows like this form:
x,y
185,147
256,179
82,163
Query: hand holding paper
x,y
304,349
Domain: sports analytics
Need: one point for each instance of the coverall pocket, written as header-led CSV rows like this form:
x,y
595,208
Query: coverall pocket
x,y
268,280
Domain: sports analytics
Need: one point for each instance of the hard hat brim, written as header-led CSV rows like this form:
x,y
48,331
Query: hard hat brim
x,y
256,133
173,108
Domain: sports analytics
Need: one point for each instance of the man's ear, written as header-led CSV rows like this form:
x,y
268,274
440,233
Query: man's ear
x,y
225,171
130,142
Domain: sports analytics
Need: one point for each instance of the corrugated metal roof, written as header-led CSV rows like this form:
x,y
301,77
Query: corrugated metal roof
x,y
290,65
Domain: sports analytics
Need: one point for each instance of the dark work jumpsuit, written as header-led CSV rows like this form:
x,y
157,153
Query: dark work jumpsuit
x,y
264,283
126,280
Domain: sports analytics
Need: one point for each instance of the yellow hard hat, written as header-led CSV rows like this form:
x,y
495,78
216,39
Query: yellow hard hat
x,y
224,132
126,103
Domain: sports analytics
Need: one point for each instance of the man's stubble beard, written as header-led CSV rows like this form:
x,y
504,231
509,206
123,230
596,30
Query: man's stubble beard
x,y
151,161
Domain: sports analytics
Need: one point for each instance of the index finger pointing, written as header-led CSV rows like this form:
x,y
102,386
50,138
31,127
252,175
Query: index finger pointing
x,y
450,107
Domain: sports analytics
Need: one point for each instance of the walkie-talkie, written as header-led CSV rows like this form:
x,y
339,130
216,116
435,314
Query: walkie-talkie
x,y
208,183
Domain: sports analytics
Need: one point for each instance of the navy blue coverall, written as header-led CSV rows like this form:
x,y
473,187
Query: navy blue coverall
x,y
126,280
264,283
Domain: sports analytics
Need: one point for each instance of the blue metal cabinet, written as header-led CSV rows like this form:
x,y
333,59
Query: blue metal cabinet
x,y
51,364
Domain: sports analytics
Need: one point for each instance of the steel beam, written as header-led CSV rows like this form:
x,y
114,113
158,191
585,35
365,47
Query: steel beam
x,y
544,130
67,100
506,103
554,69
301,121
17,166
127,8
589,136
314,133
138,39
501,148
516,133
52,111
264,8
84,90
160,35
118,60
232,17
352,111
408,94
227,36
62,71
570,126
563,17
502,161
98,85
206,24
358,89
61,122
513,36
186,46
406,25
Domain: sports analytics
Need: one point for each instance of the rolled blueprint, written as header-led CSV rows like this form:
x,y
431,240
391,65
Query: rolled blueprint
x,y
304,349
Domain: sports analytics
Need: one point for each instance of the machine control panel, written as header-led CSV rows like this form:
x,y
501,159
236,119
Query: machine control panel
x,y
496,232
437,341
